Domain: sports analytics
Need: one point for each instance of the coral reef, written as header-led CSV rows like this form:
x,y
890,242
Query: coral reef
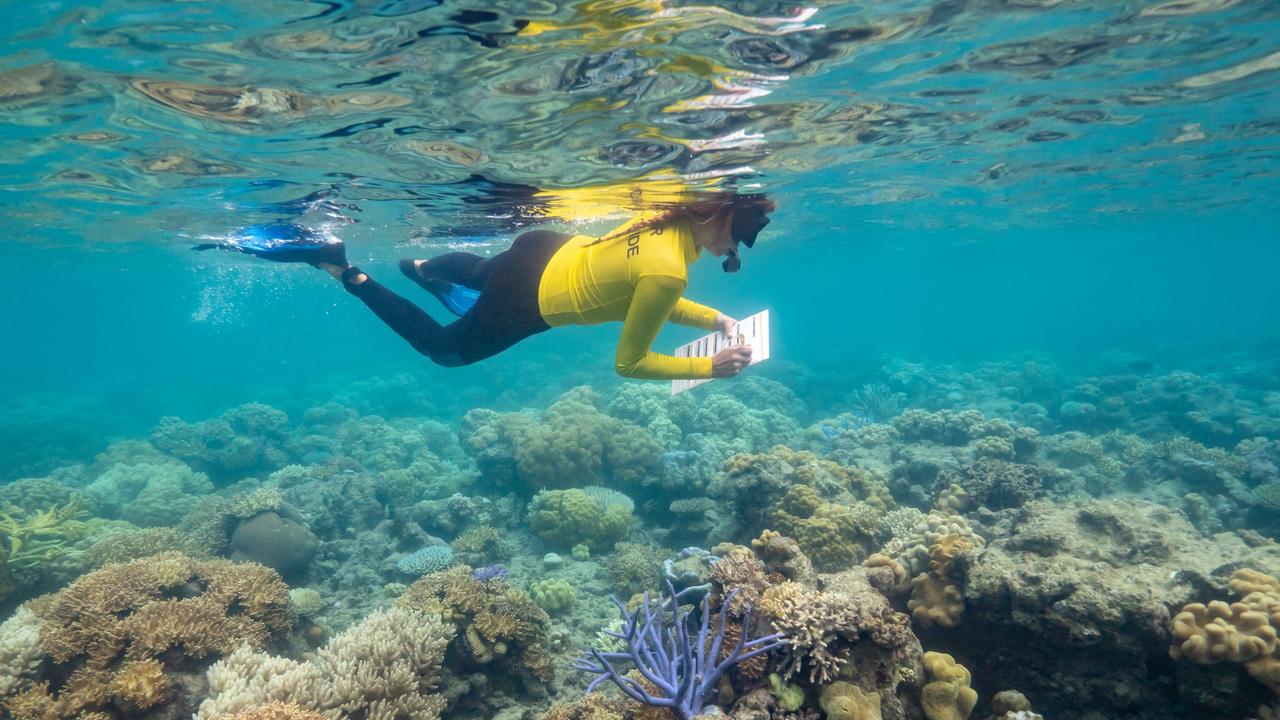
x,y
496,625
947,695
116,637
386,666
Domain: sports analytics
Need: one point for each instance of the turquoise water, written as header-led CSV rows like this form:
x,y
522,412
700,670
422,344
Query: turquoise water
x,y
1020,208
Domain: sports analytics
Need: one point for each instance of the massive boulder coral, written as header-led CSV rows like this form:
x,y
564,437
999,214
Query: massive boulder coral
x,y
245,439
149,494
752,485
992,484
386,666
565,518
572,443
501,632
1071,603
832,535
114,639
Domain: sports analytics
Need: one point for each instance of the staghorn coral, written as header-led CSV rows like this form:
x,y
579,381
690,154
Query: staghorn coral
x,y
496,623
386,666
32,539
119,633
564,518
947,695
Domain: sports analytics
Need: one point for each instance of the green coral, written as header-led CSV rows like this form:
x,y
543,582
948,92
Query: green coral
x,y
833,535
554,596
790,697
564,518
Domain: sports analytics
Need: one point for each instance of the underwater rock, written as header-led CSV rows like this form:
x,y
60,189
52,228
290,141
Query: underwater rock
x,y
277,539
1071,602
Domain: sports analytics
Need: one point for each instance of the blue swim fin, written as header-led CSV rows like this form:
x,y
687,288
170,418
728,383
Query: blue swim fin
x,y
456,298
283,242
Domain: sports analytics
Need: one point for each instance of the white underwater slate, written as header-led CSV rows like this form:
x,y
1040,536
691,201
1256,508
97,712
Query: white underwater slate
x,y
753,331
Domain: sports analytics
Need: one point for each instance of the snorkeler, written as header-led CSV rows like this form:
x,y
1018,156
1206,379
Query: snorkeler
x,y
635,274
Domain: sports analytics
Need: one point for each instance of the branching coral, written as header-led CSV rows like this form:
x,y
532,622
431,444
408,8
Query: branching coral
x,y
572,443
39,537
496,623
387,666
148,494
753,485
116,634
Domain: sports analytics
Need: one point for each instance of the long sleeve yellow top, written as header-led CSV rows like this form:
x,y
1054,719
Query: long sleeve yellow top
x,y
636,277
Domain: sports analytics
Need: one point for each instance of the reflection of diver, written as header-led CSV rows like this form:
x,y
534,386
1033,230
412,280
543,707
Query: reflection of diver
x,y
635,274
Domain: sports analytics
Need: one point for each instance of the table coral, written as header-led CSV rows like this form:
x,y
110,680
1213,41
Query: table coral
x,y
118,634
386,666
947,695
496,624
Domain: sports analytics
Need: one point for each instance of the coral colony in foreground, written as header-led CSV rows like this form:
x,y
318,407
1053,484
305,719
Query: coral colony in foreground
x,y
682,668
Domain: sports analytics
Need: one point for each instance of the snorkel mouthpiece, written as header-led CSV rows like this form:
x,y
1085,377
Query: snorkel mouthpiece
x,y
731,263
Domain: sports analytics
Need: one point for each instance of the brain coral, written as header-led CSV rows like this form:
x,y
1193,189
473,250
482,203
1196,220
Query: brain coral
x,y
499,627
564,518
119,633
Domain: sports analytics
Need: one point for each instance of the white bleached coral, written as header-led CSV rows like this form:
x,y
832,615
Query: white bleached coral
x,y
20,650
382,668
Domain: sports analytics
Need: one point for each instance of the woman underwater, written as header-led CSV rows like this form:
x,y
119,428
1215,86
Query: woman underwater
x,y
635,274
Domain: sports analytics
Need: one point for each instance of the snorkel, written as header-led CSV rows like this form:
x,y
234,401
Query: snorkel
x,y
750,216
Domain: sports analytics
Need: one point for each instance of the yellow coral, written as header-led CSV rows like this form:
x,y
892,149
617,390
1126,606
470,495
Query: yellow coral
x,y
947,695
935,601
277,710
845,701
40,537
497,622
1219,632
564,518
834,536
140,684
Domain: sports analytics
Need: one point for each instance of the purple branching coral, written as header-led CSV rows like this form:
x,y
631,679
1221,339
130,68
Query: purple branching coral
x,y
682,666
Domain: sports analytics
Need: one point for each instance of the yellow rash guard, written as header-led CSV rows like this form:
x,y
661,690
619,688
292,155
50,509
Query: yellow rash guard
x,y
636,277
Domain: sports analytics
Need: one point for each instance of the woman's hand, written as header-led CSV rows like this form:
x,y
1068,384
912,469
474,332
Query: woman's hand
x,y
725,324
730,361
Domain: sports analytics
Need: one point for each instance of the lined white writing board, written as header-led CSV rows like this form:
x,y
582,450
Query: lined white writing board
x,y
753,331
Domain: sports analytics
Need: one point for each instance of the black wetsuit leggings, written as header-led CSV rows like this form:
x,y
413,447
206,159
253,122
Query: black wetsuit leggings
x,y
505,313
